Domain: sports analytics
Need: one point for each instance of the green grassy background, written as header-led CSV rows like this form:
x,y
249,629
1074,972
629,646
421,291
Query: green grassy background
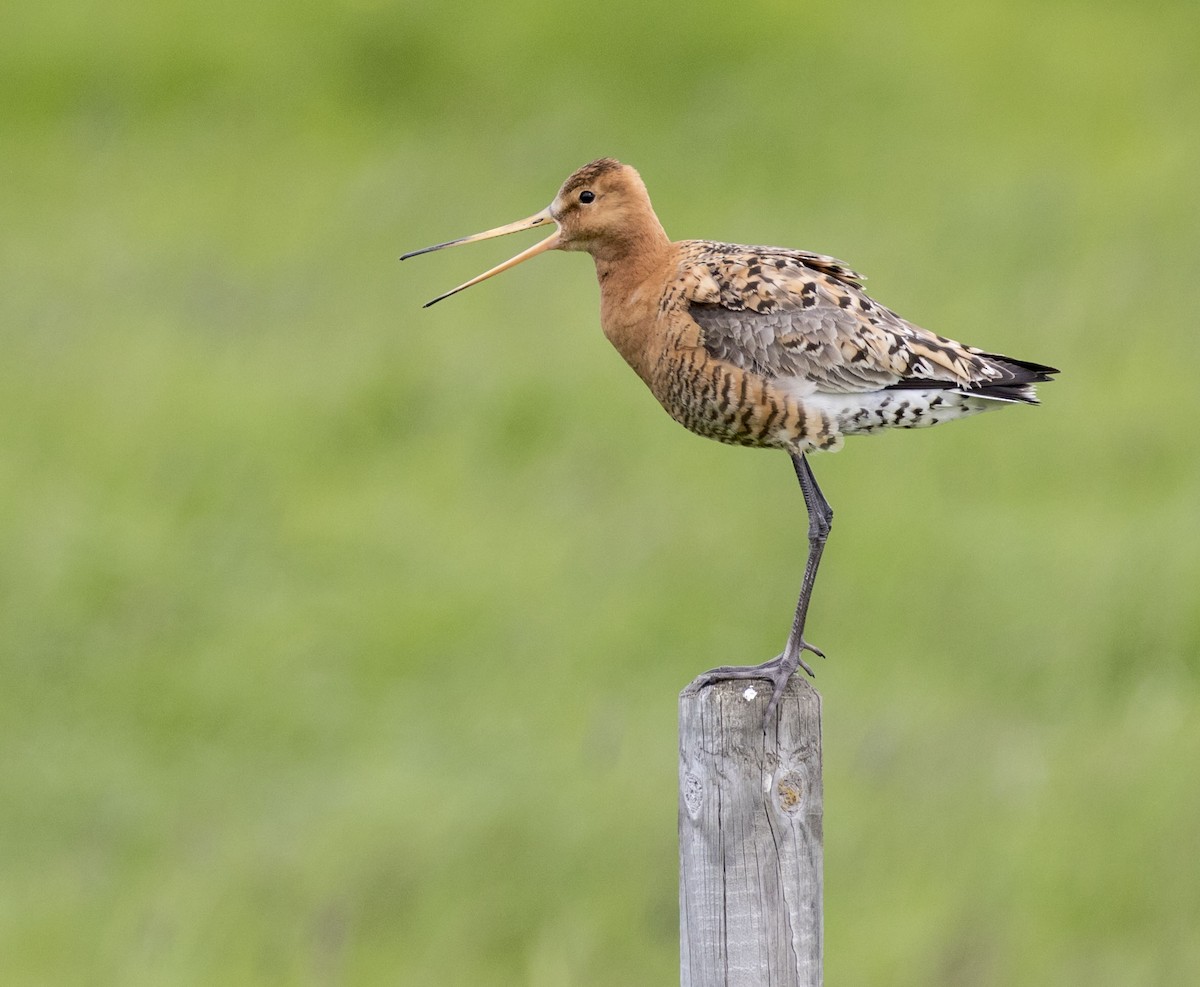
x,y
341,639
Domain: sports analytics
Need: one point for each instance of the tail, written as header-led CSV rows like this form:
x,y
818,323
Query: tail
x,y
1017,384
1013,382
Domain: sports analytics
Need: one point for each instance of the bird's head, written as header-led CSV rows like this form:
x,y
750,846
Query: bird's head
x,y
603,208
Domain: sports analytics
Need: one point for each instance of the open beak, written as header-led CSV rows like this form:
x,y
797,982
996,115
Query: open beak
x,y
538,219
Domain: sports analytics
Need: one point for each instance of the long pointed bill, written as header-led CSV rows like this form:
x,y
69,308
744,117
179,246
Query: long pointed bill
x,y
538,219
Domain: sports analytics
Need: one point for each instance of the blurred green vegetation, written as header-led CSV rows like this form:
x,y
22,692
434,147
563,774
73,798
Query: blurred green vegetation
x,y
341,639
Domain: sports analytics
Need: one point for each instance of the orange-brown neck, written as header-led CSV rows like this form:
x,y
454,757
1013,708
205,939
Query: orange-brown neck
x,y
631,284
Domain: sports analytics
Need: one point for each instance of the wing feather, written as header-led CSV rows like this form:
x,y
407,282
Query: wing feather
x,y
790,314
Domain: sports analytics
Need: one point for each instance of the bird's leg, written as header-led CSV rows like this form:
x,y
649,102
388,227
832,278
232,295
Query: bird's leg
x,y
779,669
820,520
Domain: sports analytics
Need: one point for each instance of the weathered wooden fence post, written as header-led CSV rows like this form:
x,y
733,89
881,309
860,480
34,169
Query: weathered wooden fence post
x,y
750,837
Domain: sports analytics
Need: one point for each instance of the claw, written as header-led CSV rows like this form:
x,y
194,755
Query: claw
x,y
778,671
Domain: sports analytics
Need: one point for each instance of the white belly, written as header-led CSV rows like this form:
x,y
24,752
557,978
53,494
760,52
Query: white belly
x,y
872,411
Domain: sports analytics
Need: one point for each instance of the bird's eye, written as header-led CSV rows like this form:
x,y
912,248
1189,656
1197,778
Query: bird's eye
x,y
587,195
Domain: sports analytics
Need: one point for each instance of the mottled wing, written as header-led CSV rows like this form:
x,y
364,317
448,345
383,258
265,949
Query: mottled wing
x,y
789,314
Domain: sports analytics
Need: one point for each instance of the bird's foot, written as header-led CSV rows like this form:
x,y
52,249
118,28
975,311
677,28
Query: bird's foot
x,y
778,671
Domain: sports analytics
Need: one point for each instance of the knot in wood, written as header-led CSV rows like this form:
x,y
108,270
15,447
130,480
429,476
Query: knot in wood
x,y
789,792
693,794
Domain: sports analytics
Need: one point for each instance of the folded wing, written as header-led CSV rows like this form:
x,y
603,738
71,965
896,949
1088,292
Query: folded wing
x,y
791,314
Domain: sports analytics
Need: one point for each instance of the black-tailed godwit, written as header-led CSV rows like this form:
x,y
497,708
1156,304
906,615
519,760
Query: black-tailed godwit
x,y
760,346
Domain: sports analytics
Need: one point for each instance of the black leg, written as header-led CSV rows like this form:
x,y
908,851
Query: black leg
x,y
779,669
820,520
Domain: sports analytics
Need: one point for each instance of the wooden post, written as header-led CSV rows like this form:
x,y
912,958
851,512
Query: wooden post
x,y
750,838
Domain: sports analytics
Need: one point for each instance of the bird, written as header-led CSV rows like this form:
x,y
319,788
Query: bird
x,y
759,346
